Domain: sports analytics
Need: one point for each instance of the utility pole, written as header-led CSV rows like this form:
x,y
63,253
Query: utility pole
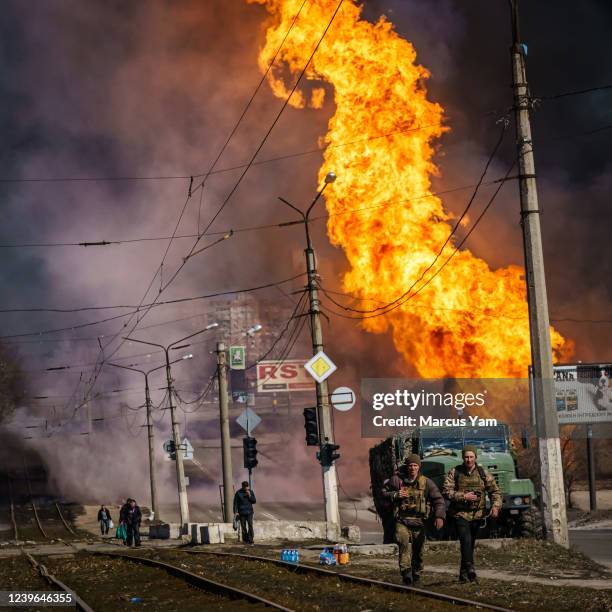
x,y
151,437
330,478
176,436
547,426
150,431
591,468
226,450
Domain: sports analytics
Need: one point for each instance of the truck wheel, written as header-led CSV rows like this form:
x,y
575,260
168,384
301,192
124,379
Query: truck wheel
x,y
530,524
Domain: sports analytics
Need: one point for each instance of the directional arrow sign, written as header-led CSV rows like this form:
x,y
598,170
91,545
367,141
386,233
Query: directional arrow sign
x,y
248,420
320,367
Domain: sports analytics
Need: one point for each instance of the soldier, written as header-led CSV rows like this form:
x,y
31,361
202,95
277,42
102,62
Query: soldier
x,y
412,496
465,487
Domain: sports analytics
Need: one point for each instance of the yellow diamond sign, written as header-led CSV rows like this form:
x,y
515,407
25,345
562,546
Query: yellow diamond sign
x,y
320,367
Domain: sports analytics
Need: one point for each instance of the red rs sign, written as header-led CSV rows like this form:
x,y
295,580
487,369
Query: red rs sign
x,y
283,376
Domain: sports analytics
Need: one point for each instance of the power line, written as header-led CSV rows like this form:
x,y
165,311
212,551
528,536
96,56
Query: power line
x,y
163,287
576,92
166,302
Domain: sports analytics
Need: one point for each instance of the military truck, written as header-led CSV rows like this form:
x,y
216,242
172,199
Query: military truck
x,y
440,450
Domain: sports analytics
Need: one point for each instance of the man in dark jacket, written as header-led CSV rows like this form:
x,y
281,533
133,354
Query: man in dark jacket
x,y
133,518
413,496
104,518
243,509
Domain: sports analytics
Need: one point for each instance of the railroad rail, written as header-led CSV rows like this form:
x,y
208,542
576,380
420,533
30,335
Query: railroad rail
x,y
309,569
52,580
198,581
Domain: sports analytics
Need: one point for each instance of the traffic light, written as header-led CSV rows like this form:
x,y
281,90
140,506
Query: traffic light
x,y
171,449
311,426
327,455
249,446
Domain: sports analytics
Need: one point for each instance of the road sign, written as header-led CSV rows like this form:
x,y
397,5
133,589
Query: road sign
x,y
248,420
320,367
342,399
283,376
237,355
187,449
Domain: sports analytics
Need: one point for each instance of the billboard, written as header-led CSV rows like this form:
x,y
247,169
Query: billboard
x,y
583,393
283,376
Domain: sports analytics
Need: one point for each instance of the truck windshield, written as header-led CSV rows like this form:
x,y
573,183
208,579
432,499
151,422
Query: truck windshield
x,y
450,440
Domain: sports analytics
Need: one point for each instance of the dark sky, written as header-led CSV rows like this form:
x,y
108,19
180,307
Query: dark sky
x,y
114,88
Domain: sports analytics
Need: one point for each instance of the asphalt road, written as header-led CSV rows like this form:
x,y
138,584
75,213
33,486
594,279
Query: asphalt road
x,y
595,543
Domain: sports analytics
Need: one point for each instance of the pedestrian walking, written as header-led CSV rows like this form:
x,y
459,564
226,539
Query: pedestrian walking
x,y
105,520
413,497
466,487
133,519
243,510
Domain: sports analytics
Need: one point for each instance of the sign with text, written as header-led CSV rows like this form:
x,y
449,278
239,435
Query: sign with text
x,y
283,376
583,393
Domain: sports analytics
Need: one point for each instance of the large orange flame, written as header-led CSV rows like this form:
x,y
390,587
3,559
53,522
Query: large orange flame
x,y
453,327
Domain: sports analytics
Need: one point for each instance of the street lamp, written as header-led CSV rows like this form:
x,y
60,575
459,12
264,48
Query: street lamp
x,y
150,432
180,468
330,480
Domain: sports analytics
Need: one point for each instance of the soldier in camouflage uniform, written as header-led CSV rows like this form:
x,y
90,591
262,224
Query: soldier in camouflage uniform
x,y
465,487
413,496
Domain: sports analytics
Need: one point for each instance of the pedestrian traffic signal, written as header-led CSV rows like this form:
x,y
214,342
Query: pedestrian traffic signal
x,y
327,455
249,446
311,426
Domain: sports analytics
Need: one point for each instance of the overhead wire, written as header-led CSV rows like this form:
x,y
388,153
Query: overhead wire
x,y
93,379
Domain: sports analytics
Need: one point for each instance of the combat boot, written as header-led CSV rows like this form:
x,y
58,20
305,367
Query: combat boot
x,y
416,579
463,575
407,577
471,573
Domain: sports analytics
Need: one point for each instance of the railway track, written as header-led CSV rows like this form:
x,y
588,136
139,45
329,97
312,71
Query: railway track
x,y
30,521
350,578
57,584
113,581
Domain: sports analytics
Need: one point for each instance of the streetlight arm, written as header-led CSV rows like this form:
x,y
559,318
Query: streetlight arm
x,y
299,212
116,365
161,346
190,336
316,199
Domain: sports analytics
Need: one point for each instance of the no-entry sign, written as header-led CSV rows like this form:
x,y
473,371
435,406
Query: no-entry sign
x,y
283,376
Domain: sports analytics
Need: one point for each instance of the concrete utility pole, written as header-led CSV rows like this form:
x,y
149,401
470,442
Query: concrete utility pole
x,y
547,426
330,479
150,431
151,439
591,468
176,436
226,449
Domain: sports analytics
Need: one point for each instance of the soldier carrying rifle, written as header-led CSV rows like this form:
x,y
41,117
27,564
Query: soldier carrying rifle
x,y
413,496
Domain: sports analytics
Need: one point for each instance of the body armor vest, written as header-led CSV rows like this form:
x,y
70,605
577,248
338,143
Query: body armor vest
x,y
465,482
416,504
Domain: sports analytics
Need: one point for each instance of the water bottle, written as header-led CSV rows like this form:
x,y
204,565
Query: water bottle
x,y
284,554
